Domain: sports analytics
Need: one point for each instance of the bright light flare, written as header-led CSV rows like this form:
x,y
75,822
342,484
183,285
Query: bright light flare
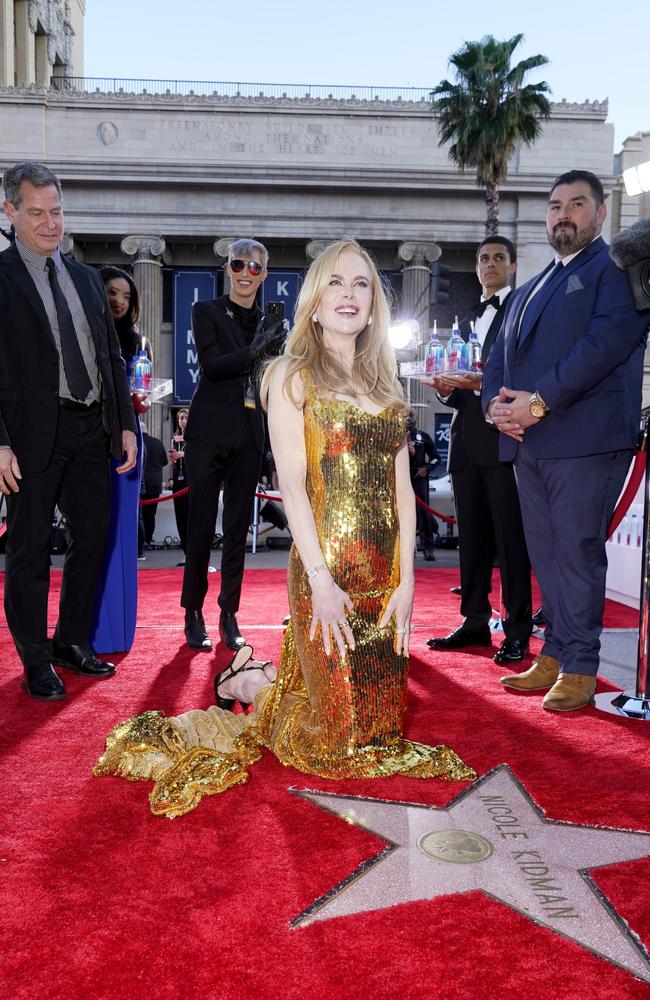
x,y
637,179
403,335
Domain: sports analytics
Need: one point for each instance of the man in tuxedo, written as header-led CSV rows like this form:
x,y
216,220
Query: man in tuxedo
x,y
485,491
224,438
563,386
423,456
64,405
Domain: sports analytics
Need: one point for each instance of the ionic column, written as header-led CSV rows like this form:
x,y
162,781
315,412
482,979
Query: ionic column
x,y
416,284
314,247
147,274
6,43
220,250
25,65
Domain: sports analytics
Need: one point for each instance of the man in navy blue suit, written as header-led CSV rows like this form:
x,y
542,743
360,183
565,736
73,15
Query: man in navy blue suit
x,y
563,386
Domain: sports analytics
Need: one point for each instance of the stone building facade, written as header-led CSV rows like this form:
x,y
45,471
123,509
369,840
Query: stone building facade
x,y
156,181
39,38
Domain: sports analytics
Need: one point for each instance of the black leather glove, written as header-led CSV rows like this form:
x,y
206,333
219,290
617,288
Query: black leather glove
x,y
268,341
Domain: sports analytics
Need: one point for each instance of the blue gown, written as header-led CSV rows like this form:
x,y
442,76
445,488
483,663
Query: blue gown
x,y
117,594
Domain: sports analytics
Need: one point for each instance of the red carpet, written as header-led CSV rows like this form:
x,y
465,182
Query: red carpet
x,y
103,901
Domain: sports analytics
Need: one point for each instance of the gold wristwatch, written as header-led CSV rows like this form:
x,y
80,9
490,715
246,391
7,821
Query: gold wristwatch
x,y
537,407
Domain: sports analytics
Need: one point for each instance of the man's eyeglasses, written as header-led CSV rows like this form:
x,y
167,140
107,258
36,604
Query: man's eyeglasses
x,y
253,267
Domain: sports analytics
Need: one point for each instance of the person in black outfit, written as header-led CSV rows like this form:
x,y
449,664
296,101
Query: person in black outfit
x,y
155,460
485,491
422,458
224,437
64,407
179,482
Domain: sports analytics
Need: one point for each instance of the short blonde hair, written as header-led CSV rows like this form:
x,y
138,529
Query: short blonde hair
x,y
374,370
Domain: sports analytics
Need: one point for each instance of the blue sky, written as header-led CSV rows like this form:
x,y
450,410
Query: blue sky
x,y
592,54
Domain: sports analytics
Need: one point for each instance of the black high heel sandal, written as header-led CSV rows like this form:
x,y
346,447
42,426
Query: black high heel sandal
x,y
238,662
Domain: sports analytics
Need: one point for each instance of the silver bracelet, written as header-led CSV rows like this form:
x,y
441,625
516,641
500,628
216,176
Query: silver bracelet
x,y
315,570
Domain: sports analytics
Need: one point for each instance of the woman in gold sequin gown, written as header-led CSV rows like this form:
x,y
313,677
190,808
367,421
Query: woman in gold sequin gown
x,y
337,426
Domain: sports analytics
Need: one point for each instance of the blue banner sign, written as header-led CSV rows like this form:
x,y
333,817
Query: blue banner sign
x,y
189,287
442,423
282,286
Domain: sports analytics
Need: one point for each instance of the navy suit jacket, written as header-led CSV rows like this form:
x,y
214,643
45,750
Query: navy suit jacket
x,y
581,347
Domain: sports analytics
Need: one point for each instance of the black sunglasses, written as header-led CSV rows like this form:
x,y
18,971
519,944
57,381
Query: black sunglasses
x,y
239,265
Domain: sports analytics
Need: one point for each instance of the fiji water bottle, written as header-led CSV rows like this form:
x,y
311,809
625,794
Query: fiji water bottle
x,y
434,361
474,363
456,352
142,371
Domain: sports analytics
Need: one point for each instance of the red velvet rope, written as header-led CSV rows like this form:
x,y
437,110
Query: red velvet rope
x,y
630,491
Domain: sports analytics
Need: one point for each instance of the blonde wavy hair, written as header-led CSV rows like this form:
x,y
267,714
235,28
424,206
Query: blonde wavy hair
x,y
374,370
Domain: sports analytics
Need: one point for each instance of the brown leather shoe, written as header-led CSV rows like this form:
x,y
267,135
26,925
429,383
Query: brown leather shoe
x,y
542,673
570,691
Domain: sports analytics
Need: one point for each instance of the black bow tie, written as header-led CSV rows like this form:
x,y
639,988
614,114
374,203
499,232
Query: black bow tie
x,y
482,306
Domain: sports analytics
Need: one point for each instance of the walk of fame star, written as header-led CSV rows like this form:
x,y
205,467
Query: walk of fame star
x,y
494,838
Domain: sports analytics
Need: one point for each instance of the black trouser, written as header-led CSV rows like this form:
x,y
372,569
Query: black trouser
x,y
181,510
489,516
78,480
426,524
207,466
149,511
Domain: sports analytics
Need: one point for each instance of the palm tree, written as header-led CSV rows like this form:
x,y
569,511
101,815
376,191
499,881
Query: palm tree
x,y
488,111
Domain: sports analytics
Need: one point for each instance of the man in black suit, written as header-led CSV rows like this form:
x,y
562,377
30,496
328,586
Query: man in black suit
x,y
225,438
485,491
423,456
64,404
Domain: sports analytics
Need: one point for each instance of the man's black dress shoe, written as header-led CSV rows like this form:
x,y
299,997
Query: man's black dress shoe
x,y
538,618
229,630
455,590
43,682
429,555
195,632
462,637
81,659
511,651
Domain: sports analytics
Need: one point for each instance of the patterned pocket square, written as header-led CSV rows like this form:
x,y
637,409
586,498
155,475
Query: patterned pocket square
x,y
573,284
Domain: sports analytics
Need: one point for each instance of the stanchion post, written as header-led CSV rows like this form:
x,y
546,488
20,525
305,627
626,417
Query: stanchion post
x,y
636,704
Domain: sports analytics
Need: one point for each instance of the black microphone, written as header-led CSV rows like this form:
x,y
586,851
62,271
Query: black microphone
x,y
630,250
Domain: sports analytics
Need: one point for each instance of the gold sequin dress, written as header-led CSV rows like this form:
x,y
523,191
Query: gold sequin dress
x,y
326,715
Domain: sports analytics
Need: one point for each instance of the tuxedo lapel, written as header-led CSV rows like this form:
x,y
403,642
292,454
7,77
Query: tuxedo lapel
x,y
495,326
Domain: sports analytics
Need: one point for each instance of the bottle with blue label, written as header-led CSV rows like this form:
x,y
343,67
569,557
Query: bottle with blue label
x,y
456,359
142,372
434,362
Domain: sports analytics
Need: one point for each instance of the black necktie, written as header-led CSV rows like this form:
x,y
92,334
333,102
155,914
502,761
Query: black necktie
x,y
73,363
494,300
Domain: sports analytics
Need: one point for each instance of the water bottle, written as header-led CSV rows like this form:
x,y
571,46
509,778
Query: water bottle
x,y
435,357
474,363
456,352
142,372
634,531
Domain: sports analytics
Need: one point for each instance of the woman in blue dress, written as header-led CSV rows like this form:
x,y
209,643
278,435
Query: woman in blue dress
x,y
117,598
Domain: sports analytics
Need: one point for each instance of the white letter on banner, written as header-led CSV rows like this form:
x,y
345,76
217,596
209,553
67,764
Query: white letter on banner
x,y
282,288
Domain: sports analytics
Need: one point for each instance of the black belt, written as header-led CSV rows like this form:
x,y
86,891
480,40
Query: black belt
x,y
73,404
